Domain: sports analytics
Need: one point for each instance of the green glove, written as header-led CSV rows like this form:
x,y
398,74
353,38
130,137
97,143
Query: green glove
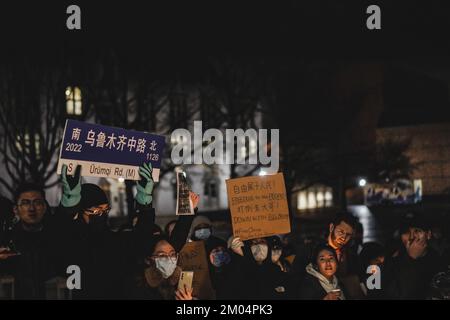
x,y
145,185
71,187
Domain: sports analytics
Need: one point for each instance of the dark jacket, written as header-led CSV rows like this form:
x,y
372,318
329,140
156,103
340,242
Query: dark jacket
x,y
310,289
348,265
135,285
39,256
248,280
410,278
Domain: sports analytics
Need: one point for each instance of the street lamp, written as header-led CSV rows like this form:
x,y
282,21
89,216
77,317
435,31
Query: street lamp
x,y
362,182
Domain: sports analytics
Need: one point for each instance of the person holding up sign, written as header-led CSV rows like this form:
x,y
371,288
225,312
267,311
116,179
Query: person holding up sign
x,y
255,276
158,272
93,246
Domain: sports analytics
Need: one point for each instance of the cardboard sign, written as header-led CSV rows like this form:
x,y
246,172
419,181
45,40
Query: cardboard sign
x,y
108,151
193,258
258,206
184,202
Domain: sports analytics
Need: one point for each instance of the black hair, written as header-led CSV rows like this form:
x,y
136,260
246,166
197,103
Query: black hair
x,y
92,195
318,249
371,250
28,187
346,217
413,221
274,241
149,248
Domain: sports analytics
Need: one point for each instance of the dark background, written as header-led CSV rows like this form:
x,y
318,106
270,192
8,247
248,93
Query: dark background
x,y
319,28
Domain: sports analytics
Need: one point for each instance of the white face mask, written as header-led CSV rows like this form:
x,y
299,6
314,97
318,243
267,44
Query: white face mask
x,y
276,254
166,266
259,252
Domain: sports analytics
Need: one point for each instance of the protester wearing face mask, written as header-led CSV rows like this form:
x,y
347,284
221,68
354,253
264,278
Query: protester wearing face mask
x,y
219,259
218,255
154,273
160,274
255,275
94,247
320,281
201,229
277,254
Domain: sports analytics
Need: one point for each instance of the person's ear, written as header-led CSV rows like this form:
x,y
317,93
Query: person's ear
x,y
331,228
428,234
16,210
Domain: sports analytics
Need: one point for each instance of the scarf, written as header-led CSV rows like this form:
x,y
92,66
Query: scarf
x,y
166,287
324,282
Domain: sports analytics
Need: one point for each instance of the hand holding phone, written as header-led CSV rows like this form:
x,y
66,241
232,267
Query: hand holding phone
x,y
6,252
185,282
185,290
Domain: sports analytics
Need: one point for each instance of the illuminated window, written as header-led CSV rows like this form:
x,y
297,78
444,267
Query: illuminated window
x,y
301,201
73,101
315,198
27,143
312,200
320,199
210,189
328,198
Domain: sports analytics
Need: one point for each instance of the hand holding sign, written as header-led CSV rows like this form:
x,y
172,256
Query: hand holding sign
x,y
195,198
109,152
145,185
71,187
236,245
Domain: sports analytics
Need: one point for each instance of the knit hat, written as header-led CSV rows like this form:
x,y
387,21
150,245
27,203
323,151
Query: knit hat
x,y
92,196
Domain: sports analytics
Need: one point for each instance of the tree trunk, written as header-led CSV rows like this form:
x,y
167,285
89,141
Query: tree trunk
x,y
130,199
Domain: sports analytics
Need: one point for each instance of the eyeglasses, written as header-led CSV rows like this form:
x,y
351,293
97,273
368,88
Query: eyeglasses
x,y
173,255
98,211
36,203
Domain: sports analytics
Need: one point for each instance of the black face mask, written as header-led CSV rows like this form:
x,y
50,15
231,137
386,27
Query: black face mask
x,y
98,223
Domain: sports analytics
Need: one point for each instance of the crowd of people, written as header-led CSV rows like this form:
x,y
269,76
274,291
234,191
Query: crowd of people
x,y
141,261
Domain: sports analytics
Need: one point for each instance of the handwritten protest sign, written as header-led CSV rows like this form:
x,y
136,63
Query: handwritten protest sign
x,y
258,206
193,258
108,151
184,202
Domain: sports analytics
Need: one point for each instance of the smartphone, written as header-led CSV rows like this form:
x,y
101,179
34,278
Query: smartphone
x,y
12,248
186,278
